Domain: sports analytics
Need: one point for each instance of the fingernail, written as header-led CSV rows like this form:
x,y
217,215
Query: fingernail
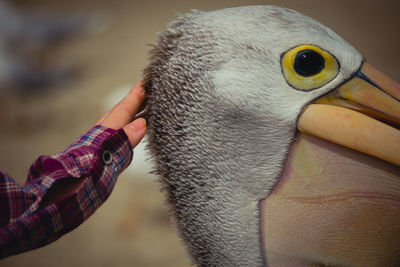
x,y
140,87
142,91
138,124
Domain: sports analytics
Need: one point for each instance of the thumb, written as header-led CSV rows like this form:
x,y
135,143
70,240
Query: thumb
x,y
135,131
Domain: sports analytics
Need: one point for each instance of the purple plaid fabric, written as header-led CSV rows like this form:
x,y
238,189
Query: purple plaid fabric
x,y
26,223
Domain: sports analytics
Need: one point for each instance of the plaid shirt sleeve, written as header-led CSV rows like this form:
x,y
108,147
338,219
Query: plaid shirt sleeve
x,y
98,156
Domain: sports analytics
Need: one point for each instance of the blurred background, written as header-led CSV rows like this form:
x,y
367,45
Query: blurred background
x,y
63,63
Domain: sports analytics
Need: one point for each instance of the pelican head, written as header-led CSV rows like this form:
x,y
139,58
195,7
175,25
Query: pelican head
x,y
277,144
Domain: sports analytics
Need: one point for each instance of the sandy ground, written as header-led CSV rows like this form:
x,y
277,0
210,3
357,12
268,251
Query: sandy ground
x,y
132,228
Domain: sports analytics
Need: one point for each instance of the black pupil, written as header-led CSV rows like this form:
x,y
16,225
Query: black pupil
x,y
308,63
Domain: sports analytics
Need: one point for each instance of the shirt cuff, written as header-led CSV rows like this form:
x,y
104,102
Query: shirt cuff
x,y
99,155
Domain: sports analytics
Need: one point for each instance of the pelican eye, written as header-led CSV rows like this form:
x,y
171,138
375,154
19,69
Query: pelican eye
x,y
308,67
308,63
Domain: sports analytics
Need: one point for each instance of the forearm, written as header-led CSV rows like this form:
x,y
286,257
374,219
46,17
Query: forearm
x,y
62,190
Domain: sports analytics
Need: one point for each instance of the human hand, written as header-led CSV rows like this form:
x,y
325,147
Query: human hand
x,y
122,114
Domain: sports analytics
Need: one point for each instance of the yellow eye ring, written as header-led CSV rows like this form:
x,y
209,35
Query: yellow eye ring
x,y
326,71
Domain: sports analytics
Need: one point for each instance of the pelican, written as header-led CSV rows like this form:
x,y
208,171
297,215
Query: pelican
x,y
277,144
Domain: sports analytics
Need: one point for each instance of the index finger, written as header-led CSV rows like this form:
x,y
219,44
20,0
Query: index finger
x,y
123,113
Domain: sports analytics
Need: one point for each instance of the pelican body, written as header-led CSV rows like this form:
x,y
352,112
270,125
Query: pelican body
x,y
276,143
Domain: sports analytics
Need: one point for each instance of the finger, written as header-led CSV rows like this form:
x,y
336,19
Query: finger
x,y
135,131
103,117
125,110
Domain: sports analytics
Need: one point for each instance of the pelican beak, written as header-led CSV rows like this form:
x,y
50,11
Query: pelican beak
x,y
333,205
362,114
